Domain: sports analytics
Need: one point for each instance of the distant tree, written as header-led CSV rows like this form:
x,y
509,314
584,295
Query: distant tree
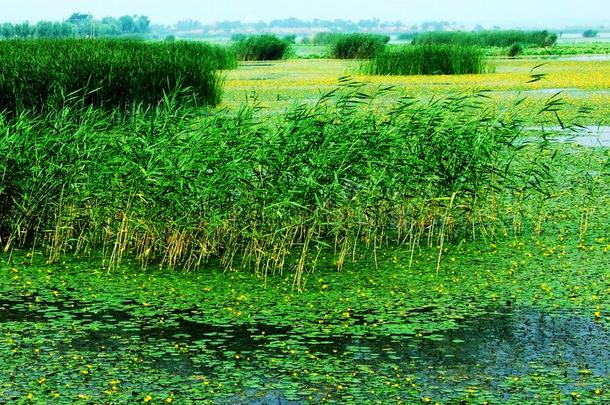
x,y
7,30
110,21
44,29
106,30
127,25
142,24
80,19
24,30
589,34
48,29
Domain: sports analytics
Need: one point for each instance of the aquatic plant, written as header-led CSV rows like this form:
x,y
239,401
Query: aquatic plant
x,y
515,49
357,46
175,187
501,38
427,60
260,47
43,73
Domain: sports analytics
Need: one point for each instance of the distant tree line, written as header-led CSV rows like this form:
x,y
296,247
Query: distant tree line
x,y
78,25
337,25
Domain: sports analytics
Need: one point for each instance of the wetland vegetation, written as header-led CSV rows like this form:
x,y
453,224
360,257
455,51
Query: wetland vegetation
x,y
428,60
43,74
316,235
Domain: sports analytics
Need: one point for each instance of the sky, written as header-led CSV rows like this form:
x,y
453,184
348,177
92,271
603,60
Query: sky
x,y
506,13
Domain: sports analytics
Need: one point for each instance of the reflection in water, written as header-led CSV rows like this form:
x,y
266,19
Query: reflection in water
x,y
511,342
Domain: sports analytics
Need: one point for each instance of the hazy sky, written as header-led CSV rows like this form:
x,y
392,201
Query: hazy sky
x,y
501,12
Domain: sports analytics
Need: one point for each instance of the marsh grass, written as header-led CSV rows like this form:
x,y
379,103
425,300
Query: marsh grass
x,y
357,46
179,189
43,73
428,60
260,47
502,39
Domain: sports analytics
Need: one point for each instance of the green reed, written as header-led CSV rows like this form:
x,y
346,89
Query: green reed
x,y
260,47
427,60
180,188
499,38
45,73
357,46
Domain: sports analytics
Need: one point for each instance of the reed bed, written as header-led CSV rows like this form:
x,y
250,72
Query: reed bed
x,y
428,60
180,189
260,47
356,46
504,38
43,73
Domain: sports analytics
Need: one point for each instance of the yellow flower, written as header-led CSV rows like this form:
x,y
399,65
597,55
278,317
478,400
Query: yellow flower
x,y
148,398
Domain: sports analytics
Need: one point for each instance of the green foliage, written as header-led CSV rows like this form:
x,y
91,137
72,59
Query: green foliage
x,y
291,39
183,188
44,73
589,34
488,38
358,46
327,38
427,60
260,47
79,25
582,48
515,49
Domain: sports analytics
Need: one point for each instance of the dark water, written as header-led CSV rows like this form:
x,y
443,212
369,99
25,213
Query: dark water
x,y
503,343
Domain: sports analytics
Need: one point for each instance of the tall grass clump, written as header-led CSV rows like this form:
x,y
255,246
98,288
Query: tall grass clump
x,y
502,39
427,60
514,50
254,192
358,46
327,38
44,73
260,47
